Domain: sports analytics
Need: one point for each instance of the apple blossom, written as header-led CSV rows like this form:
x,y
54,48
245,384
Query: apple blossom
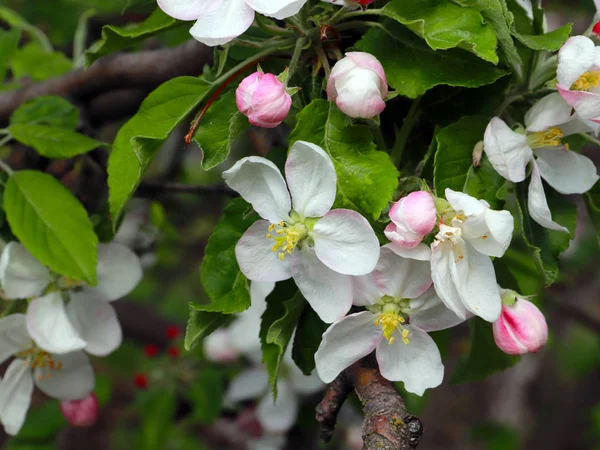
x,y
300,236
88,321
511,151
65,377
82,412
402,307
578,76
463,274
350,4
358,86
413,217
221,21
521,327
263,99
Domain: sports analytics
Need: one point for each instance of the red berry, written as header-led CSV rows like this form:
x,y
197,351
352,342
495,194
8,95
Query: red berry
x,y
173,332
596,29
174,352
151,350
141,381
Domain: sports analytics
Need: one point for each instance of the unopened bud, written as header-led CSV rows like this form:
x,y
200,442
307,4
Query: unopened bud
x,y
263,98
80,413
477,153
413,217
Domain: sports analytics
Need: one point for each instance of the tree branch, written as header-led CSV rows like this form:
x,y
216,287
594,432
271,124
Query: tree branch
x,y
143,71
387,424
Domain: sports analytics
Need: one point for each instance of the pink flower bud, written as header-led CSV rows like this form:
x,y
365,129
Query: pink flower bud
x,y
521,328
80,413
413,217
263,99
218,347
358,86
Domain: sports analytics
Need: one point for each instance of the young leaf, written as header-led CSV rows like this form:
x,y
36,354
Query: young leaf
x,y
549,41
421,68
201,324
9,43
35,62
53,142
445,25
16,21
366,178
140,138
206,395
157,415
309,334
47,110
52,224
483,183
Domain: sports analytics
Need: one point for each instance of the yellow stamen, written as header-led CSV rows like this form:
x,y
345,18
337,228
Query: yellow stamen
x,y
587,81
286,237
388,323
405,337
549,138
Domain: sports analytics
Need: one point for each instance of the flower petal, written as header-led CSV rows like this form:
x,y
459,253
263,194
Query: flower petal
x,y
260,183
400,277
442,267
15,396
255,256
537,203
587,104
279,416
507,150
566,171
280,9
366,290
119,271
50,327
13,336
185,9
429,313
95,320
74,381
575,57
418,364
421,252
329,293
550,111
345,342
311,179
248,385
21,274
304,384
346,243
223,22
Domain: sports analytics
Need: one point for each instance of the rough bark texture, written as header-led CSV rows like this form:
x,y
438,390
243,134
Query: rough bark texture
x,y
387,424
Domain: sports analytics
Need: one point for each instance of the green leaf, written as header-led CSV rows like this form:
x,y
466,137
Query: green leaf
x,y
221,276
446,25
220,127
53,142
484,358
35,62
592,202
141,137
546,245
307,339
484,182
117,38
42,423
201,324
52,224
550,41
420,68
206,395
47,110
157,413
366,178
9,43
454,155
16,21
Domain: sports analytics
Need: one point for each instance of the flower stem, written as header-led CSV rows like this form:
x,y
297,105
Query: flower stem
x,y
5,139
374,127
323,59
272,29
6,168
300,42
407,126
360,13
591,139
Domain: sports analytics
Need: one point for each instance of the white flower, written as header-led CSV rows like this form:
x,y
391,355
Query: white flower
x,y
402,307
566,171
221,21
88,321
279,416
300,237
64,377
463,274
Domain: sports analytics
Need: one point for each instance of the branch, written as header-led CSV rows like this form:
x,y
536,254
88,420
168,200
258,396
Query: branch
x,y
153,190
144,70
387,424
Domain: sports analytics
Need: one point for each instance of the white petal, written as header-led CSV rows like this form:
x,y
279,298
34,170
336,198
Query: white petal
x,y
255,256
119,271
311,179
223,22
328,293
537,204
21,274
346,243
73,381
492,236
366,290
400,277
550,111
13,336
259,291
50,327
345,342
421,252
95,321
418,364
280,9
278,417
303,384
429,313
465,203
15,396
244,333
566,171
442,267
575,57
184,9
248,385
260,183
507,150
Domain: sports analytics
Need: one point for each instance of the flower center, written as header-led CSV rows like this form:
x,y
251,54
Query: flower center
x,y
69,283
586,81
286,237
39,359
389,319
549,138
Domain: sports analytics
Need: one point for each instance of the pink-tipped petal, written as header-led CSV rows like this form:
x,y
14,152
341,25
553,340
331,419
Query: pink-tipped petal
x,y
520,329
